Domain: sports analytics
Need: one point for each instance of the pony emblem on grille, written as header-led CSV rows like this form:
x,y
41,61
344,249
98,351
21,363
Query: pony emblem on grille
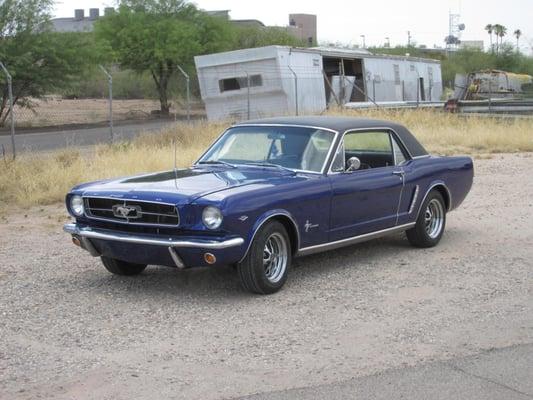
x,y
124,211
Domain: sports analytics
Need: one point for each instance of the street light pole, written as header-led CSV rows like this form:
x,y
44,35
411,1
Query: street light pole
x,y
364,42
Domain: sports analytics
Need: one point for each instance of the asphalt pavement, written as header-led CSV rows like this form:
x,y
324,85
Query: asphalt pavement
x,y
495,374
47,140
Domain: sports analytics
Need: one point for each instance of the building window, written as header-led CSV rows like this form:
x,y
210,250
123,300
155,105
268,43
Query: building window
x,y
230,84
397,79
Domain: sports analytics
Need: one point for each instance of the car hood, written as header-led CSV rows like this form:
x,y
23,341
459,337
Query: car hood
x,y
183,186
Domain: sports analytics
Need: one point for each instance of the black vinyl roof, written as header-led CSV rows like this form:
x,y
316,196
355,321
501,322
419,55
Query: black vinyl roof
x,y
343,124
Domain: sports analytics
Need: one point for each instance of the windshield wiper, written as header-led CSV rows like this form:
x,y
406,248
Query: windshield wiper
x,y
267,164
219,162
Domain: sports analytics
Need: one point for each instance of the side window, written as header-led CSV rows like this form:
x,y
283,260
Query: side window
x,y
338,164
373,148
399,156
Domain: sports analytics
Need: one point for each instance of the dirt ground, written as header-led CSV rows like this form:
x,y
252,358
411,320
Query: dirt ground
x,y
70,330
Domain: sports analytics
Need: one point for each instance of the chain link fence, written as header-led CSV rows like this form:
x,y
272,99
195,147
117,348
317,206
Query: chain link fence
x,y
86,102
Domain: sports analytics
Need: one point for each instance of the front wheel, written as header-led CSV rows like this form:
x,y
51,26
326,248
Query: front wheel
x,y
430,223
118,267
265,268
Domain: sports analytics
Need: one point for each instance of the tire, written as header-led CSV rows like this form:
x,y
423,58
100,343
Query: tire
x,y
430,223
265,268
118,267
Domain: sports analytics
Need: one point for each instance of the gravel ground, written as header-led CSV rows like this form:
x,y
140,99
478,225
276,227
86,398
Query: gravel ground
x,y
71,330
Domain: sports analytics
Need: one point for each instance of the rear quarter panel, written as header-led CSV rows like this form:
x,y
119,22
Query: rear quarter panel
x,y
455,173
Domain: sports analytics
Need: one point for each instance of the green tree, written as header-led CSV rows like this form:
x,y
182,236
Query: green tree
x,y
39,61
251,36
158,35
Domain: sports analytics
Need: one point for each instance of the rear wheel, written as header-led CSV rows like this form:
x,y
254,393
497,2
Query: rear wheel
x,y
265,268
430,223
119,267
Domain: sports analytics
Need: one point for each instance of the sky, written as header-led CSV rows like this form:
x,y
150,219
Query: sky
x,y
345,21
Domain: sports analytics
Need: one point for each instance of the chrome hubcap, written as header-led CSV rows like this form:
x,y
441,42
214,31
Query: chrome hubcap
x,y
275,256
434,218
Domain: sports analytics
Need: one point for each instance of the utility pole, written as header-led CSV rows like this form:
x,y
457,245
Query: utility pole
x,y
387,42
364,42
408,38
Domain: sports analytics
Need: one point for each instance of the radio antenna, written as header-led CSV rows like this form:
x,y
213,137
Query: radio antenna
x,y
175,164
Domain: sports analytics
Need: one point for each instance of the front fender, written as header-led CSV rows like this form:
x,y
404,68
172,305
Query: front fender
x,y
265,217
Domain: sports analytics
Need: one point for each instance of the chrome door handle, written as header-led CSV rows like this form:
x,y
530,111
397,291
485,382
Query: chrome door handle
x,y
398,172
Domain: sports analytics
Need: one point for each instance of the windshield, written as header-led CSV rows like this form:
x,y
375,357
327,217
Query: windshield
x,y
304,149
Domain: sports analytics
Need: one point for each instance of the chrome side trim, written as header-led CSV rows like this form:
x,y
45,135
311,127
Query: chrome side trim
x,y
267,219
413,202
353,240
427,193
103,234
176,258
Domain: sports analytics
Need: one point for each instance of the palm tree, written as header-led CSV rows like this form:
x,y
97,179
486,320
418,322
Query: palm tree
x,y
500,32
490,28
517,34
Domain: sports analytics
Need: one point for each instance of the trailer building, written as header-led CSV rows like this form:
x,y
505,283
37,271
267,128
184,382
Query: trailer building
x,y
279,80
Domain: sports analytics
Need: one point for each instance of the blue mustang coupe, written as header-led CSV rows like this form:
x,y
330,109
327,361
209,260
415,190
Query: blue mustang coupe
x,y
270,190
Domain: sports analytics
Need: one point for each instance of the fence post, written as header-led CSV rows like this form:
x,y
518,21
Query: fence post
x,y
248,95
188,81
11,107
417,92
490,95
295,87
373,87
110,83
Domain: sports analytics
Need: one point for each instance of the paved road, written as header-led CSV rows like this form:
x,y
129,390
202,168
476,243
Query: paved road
x,y
497,374
45,140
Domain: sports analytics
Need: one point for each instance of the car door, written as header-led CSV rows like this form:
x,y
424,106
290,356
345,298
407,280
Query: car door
x,y
365,200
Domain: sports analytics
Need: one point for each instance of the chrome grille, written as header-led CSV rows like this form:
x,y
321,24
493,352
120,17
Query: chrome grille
x,y
141,212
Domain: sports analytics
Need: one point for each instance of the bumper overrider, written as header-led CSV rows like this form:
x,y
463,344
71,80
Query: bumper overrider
x,y
178,251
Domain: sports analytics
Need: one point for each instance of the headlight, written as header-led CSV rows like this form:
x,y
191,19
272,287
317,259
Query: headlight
x,y
212,217
76,205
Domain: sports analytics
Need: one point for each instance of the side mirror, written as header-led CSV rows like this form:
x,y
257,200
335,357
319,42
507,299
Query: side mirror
x,y
353,164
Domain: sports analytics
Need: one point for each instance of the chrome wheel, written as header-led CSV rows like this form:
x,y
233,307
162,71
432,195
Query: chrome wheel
x,y
434,218
275,255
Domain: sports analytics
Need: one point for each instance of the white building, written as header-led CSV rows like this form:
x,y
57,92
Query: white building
x,y
278,80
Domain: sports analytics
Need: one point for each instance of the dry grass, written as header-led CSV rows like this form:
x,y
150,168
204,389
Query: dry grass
x,y
44,179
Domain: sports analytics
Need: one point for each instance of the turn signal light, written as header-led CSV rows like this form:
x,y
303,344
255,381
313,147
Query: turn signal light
x,y
210,258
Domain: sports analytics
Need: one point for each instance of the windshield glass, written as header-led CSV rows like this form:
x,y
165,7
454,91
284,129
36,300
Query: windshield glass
x,y
304,149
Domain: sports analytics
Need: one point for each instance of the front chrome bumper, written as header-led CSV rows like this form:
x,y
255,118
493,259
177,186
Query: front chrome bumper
x,y
104,234
82,236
